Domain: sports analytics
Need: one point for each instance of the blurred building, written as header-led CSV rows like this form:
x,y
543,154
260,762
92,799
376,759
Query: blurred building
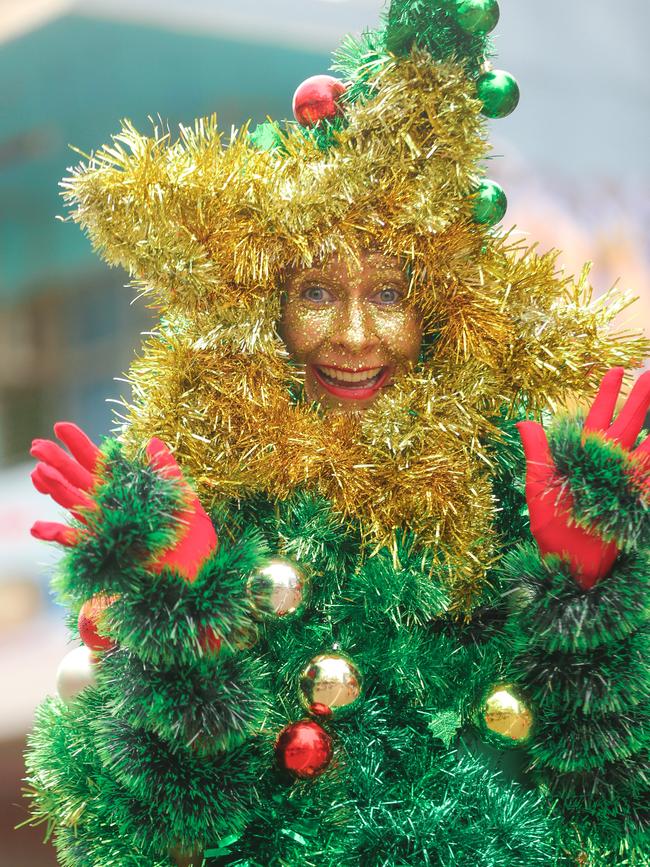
x,y
575,168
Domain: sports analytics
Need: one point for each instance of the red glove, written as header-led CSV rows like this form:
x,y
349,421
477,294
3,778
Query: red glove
x,y
549,500
70,480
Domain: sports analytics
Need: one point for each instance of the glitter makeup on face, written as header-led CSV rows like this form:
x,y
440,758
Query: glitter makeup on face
x,y
351,327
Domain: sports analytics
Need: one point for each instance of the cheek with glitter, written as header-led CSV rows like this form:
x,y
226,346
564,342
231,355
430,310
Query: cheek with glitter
x,y
399,330
304,328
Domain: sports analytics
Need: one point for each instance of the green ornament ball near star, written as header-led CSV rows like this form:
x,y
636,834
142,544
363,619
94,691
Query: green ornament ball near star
x,y
477,17
490,203
499,93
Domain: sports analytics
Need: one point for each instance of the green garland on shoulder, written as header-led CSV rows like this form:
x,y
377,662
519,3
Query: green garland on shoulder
x,y
582,657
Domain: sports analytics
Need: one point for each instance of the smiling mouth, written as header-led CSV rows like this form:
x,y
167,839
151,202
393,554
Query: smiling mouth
x,y
351,384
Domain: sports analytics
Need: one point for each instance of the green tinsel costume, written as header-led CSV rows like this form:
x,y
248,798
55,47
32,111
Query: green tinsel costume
x,y
410,520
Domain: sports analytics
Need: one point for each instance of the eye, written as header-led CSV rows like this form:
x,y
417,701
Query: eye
x,y
387,296
317,294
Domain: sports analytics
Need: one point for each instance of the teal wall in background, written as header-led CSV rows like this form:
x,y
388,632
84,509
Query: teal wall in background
x,y
72,81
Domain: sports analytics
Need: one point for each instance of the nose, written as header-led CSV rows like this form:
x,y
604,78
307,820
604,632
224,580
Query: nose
x,y
356,331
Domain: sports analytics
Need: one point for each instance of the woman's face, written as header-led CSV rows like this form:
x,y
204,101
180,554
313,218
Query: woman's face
x,y
351,327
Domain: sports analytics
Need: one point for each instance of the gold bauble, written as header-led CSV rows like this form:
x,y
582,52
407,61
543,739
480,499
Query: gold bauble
x,y
330,685
505,714
75,672
278,589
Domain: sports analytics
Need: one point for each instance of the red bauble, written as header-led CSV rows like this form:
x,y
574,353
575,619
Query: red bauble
x,y
89,616
304,749
317,98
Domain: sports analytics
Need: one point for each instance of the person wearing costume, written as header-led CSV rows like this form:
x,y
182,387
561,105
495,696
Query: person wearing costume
x,y
353,586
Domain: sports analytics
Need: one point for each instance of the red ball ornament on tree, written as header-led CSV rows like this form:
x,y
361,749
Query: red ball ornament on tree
x,y
89,616
317,98
304,749
210,641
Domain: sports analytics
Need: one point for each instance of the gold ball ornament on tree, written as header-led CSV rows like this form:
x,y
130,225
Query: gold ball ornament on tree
x,y
76,671
330,685
507,715
279,589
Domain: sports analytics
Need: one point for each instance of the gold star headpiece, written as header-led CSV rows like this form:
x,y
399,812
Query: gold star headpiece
x,y
389,158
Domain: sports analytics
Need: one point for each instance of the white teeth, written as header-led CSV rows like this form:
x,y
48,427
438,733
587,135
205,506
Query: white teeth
x,y
345,376
363,378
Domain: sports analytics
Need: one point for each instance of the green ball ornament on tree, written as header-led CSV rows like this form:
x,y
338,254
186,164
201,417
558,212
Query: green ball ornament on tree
x,y
499,93
490,203
477,17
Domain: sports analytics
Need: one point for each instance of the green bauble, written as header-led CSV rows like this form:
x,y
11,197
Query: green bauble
x,y
499,93
490,203
477,17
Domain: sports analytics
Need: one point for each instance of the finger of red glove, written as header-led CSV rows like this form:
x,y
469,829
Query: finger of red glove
x,y
162,459
539,461
52,454
51,531
629,422
47,480
193,548
641,472
81,447
198,538
643,451
602,410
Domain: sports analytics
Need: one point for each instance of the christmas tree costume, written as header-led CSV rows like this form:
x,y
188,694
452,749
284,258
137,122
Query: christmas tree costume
x,y
410,635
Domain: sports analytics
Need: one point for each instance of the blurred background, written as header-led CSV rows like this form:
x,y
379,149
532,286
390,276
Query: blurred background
x,y
573,160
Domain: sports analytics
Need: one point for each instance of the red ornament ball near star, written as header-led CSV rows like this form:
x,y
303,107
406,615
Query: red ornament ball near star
x,y
317,98
89,616
304,749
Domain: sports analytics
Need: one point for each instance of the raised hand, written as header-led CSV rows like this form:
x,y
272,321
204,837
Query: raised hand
x,y
549,500
71,479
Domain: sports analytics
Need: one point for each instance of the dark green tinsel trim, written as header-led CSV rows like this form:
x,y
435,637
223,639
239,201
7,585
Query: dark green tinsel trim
x,y
554,612
584,742
195,797
609,488
582,655
134,521
612,677
163,616
616,816
214,704
96,821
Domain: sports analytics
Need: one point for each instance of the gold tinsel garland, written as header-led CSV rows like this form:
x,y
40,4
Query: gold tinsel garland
x,y
208,231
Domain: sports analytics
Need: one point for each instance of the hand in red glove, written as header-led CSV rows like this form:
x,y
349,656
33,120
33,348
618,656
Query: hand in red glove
x,y
71,478
550,502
